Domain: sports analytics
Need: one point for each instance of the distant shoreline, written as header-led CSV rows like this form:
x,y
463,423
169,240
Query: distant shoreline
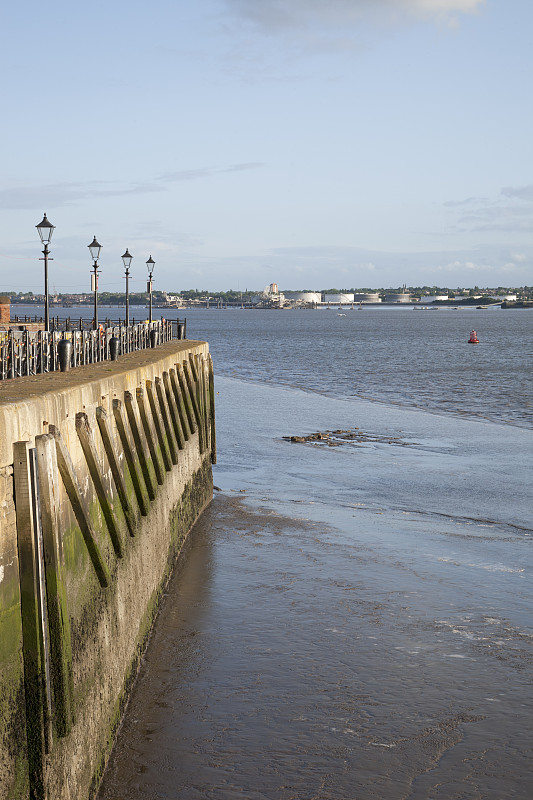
x,y
437,304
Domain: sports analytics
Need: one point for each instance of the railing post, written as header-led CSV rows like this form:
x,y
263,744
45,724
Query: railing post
x,y
52,351
11,368
27,350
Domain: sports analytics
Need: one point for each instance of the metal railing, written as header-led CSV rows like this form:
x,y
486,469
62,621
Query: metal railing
x,y
75,323
24,352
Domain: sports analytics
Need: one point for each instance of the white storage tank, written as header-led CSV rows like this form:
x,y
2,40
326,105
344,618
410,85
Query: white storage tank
x,y
398,297
430,298
367,297
303,297
339,299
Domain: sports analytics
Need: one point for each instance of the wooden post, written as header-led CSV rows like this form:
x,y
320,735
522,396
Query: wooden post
x,y
194,370
187,401
174,413
148,432
130,458
203,402
192,387
41,586
172,446
156,416
199,385
180,404
101,419
58,617
141,454
191,376
31,623
70,481
95,470
212,410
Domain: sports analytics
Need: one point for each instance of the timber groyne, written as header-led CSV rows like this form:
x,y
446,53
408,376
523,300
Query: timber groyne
x,y
103,471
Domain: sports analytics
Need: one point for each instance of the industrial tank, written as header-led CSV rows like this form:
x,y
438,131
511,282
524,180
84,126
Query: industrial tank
x,y
303,297
339,299
367,297
430,298
398,297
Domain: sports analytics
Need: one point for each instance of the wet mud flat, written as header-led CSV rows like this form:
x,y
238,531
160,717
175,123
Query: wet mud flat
x,y
295,660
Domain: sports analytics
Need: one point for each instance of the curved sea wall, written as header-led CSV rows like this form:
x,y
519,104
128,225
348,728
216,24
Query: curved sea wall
x,y
103,471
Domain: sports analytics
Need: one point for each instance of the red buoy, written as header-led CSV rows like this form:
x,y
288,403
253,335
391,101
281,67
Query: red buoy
x,y
473,338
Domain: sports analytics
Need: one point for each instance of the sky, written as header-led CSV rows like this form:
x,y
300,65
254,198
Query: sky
x,y
311,143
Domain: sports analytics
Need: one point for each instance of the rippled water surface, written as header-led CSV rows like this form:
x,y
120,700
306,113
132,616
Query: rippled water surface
x,y
407,356
393,355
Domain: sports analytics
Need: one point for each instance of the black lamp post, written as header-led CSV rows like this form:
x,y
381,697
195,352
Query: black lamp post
x,y
94,249
46,230
126,258
150,264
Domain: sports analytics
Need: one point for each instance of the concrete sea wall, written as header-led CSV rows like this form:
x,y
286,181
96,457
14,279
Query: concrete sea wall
x,y
103,471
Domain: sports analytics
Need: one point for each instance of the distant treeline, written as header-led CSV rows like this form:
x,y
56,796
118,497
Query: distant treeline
x,y
475,294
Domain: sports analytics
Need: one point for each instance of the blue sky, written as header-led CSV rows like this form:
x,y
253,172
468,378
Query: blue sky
x,y
314,143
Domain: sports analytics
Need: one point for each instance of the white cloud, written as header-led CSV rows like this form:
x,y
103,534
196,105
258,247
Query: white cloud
x,y
62,194
440,6
519,192
469,201
464,266
279,15
509,211
471,267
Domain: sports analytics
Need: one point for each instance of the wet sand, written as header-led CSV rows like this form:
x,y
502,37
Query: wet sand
x,y
291,662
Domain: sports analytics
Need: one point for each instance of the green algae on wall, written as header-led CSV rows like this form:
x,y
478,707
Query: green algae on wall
x,y
14,782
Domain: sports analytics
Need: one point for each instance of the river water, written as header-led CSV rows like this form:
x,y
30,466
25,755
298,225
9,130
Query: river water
x,y
352,617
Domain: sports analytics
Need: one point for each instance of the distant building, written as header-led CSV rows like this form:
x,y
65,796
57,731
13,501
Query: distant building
x,y
173,300
270,297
